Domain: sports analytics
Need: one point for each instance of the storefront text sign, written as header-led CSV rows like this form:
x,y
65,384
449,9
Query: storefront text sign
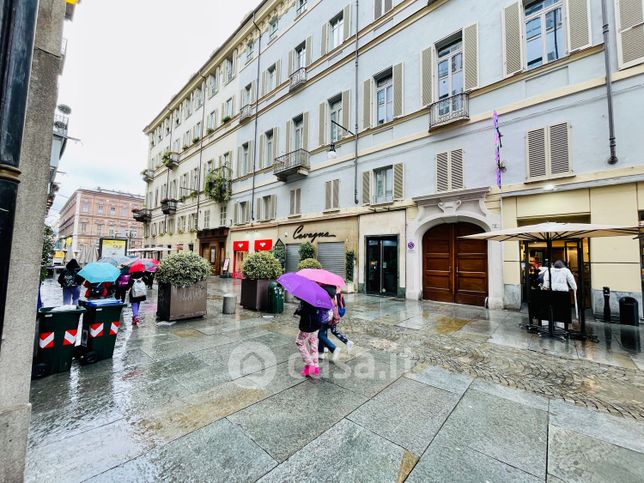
x,y
240,246
300,234
263,245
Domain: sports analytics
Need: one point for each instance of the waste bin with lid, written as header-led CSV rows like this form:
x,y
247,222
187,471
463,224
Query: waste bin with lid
x,y
275,298
629,313
56,337
100,327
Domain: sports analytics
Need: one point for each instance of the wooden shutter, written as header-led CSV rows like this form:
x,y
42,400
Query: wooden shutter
x,y
276,144
273,207
290,61
559,149
442,172
309,51
292,203
328,194
630,32
239,161
456,169
258,210
377,9
253,91
278,73
263,88
346,22
336,193
471,57
262,148
388,5
398,89
346,111
536,141
324,41
287,148
305,131
322,123
298,200
232,105
578,24
399,181
366,104
426,71
512,39
366,188
251,157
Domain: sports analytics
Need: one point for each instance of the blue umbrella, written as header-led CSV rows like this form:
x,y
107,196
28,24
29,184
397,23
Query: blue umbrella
x,y
99,272
305,289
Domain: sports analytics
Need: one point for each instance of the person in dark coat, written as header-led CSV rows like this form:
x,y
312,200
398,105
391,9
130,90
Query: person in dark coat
x,y
71,282
138,292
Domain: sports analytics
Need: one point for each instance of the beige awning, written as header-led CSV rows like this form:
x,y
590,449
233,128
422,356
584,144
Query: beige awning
x,y
556,231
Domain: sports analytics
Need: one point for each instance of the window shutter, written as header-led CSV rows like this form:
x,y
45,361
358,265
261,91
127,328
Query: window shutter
x,y
346,111
290,61
309,52
292,203
263,87
247,212
278,72
377,9
336,193
276,144
426,70
471,57
366,104
366,187
399,181
536,140
305,131
388,5
261,213
398,89
578,24
324,40
456,169
253,91
559,149
442,172
630,28
273,207
346,22
298,200
287,148
328,186
322,123
235,215
512,39
239,161
262,148
233,105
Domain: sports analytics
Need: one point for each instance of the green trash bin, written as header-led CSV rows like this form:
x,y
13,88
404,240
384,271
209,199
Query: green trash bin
x,y
100,326
55,339
275,298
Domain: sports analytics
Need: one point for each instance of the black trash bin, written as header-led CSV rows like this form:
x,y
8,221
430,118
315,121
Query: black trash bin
x,y
56,337
100,326
629,313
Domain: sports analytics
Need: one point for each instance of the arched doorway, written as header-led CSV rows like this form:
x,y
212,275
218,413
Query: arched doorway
x,y
455,270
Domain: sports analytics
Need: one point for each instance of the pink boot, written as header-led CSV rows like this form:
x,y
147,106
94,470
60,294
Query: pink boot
x,y
315,371
306,371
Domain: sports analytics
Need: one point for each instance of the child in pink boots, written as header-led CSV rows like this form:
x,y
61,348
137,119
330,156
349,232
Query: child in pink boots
x,y
307,339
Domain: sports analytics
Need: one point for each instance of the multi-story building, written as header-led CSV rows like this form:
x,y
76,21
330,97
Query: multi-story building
x,y
370,127
90,215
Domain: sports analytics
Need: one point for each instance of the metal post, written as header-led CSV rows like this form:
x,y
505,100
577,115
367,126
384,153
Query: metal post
x,y
17,30
612,144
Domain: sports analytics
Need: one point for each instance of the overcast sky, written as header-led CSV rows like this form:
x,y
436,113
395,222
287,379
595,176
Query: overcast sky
x,y
125,61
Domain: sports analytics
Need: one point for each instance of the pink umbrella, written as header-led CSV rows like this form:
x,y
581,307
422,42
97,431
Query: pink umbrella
x,y
323,277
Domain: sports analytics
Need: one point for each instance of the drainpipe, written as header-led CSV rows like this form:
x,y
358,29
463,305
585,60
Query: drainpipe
x,y
355,155
609,87
259,57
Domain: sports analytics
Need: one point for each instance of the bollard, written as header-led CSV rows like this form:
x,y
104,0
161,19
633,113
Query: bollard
x,y
230,304
606,292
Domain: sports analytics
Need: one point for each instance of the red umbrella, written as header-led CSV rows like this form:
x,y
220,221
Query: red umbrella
x,y
151,260
137,267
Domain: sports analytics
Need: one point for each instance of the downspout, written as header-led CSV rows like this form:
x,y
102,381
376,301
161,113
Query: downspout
x,y
256,94
355,155
203,123
609,87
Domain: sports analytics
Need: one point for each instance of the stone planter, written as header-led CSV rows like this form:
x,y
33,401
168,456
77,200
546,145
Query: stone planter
x,y
178,303
254,294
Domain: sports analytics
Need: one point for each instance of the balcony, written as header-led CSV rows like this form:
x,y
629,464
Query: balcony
x,y
142,215
170,160
169,206
245,113
452,109
295,164
298,78
63,54
147,175
61,122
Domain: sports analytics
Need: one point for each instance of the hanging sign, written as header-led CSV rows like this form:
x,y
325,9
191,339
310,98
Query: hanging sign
x,y
263,245
240,246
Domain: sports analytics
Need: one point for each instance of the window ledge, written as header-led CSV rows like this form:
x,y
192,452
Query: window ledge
x,y
541,179
299,215
331,210
381,203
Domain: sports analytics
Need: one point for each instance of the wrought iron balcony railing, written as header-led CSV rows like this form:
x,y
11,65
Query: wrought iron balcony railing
x,y
298,77
147,175
448,110
245,113
143,215
169,206
296,162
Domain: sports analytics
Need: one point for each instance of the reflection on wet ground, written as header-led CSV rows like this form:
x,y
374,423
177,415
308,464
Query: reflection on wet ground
x,y
430,392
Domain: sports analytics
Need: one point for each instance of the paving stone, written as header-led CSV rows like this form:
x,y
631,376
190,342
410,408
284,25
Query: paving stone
x,y
345,453
284,423
574,457
407,413
442,379
519,396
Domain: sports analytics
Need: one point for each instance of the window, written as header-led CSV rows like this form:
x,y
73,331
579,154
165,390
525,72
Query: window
x,y
196,132
244,160
83,227
186,139
195,180
300,57
295,202
228,108
250,50
266,208
177,146
332,194
248,95
112,211
336,27
197,98
384,99
101,209
384,185
544,33
335,108
212,85
222,215
123,212
450,76
99,229
212,120
381,7
206,219
85,207
177,117
449,170
229,70
226,159
298,133
271,79
272,28
268,148
242,213
110,232
548,151
301,7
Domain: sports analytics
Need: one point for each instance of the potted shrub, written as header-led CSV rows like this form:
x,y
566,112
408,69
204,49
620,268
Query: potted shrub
x,y
210,131
258,270
309,263
225,119
182,286
307,250
217,186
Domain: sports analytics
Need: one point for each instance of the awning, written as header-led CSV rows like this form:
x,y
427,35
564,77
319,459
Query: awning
x,y
240,246
263,245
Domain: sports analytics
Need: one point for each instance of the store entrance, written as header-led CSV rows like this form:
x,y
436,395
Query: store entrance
x,y
382,265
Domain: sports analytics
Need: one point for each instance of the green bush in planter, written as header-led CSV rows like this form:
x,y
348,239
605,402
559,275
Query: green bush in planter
x,y
182,269
261,266
309,263
306,251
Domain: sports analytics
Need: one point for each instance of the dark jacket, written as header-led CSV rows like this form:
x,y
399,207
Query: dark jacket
x,y
308,317
69,278
135,276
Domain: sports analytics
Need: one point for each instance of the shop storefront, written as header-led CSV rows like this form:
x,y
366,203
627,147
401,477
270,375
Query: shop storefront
x,y
212,247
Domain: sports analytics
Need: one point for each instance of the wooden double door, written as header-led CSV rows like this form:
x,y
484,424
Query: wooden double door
x,y
455,270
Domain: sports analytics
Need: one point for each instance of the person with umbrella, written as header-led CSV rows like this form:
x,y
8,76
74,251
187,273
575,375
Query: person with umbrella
x,y
122,283
99,278
70,282
138,290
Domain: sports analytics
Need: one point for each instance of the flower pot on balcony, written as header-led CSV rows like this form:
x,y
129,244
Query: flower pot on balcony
x,y
178,303
169,206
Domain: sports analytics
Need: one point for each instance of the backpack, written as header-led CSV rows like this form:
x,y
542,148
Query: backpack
x,y
138,289
69,279
342,308
323,316
122,281
96,290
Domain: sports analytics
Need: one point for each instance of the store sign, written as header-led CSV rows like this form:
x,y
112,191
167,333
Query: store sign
x,y
263,245
240,246
300,234
109,247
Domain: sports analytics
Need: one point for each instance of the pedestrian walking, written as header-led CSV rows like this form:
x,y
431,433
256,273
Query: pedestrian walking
x,y
122,284
71,282
307,338
325,343
339,309
562,278
138,293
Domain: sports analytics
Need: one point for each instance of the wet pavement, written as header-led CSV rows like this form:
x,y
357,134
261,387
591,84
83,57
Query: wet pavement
x,y
430,392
